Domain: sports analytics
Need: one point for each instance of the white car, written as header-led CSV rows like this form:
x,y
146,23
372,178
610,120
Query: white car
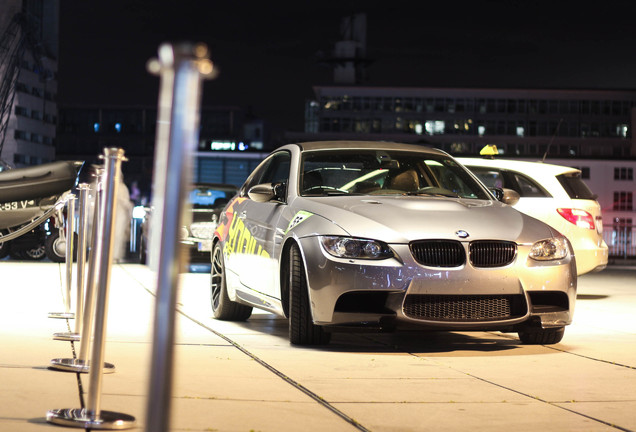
x,y
555,195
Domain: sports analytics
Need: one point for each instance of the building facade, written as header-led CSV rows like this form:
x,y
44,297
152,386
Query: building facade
x,y
29,83
225,138
522,123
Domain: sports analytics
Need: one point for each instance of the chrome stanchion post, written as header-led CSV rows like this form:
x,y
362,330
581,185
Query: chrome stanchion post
x,y
81,264
93,417
70,235
181,69
81,363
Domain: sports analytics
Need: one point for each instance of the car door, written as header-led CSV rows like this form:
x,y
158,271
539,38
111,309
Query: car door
x,y
254,257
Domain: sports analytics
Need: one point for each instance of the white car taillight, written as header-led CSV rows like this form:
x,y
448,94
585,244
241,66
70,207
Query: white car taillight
x,y
578,217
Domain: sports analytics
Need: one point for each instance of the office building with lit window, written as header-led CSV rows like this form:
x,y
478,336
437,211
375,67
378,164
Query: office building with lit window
x,y
521,123
588,129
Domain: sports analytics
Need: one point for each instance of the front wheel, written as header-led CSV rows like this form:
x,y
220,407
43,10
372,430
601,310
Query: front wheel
x,y
540,336
302,330
222,307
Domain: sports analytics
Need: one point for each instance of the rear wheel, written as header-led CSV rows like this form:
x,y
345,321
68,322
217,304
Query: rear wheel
x,y
302,330
540,336
222,307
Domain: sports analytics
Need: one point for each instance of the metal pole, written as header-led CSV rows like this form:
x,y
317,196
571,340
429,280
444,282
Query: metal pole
x,y
181,69
81,364
81,264
70,222
81,254
70,237
93,417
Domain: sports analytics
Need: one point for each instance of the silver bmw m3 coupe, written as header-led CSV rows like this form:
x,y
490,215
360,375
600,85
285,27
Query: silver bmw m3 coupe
x,y
344,235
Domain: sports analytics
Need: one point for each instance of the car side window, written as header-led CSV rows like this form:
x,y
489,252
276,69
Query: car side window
x,y
274,169
528,188
278,170
489,176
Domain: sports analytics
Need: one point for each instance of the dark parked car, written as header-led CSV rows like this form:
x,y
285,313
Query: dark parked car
x,y
207,201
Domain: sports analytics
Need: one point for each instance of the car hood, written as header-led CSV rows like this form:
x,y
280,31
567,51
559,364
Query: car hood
x,y
405,218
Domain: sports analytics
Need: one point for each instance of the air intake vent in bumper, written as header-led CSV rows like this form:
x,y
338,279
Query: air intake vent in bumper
x,y
464,308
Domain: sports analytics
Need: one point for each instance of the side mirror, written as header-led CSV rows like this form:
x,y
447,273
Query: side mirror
x,y
506,196
267,191
261,193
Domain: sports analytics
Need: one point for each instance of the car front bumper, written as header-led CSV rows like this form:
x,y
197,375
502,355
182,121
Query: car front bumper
x,y
400,292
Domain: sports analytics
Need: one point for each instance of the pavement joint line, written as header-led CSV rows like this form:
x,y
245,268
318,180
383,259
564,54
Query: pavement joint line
x,y
554,404
281,375
592,358
269,367
572,353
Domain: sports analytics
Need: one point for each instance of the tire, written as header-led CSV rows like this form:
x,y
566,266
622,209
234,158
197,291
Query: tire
x,y
55,248
35,254
539,336
302,330
222,307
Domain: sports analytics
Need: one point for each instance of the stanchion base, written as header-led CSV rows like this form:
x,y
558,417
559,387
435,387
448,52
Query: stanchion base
x,y
79,366
80,418
66,336
63,315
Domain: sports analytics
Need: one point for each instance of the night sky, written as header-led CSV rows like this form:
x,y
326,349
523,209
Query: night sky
x,y
268,55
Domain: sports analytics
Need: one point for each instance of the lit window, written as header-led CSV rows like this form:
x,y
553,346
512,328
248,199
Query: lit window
x,y
418,128
520,131
435,127
481,130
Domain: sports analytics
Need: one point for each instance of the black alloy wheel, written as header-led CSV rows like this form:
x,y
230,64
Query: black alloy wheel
x,y
222,307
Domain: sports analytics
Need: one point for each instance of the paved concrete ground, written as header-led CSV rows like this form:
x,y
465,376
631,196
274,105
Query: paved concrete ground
x,y
246,377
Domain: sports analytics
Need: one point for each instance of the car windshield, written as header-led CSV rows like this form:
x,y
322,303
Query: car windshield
x,y
385,172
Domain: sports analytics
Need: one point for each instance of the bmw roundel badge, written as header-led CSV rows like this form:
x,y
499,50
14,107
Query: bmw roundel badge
x,y
462,234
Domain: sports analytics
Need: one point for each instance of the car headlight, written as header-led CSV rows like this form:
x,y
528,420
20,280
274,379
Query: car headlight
x,y
349,247
550,249
204,230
